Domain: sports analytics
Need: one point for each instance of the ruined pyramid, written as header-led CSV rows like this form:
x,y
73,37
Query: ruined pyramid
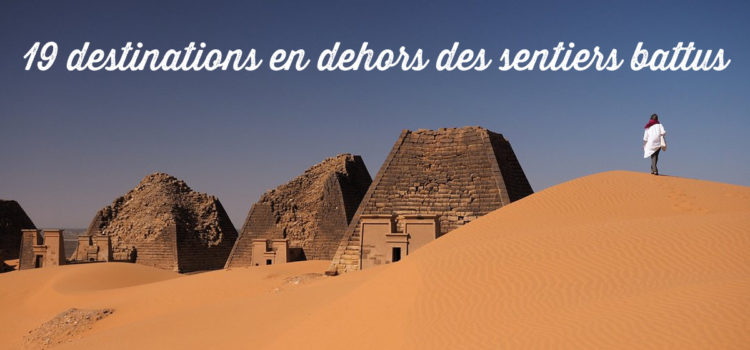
x,y
164,223
12,220
312,211
435,181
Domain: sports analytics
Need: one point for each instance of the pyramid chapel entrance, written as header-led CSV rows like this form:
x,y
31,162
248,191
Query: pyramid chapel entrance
x,y
387,238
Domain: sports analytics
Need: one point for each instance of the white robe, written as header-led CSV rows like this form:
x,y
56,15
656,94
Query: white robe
x,y
652,137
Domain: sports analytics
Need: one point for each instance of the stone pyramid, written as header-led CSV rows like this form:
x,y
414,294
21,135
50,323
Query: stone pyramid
x,y
164,223
312,211
12,220
450,176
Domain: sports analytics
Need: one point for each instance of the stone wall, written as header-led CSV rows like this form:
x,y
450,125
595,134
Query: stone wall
x,y
92,248
159,252
194,254
12,220
30,238
456,174
39,250
312,211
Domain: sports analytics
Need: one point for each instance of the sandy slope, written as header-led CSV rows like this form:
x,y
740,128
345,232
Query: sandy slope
x,y
612,260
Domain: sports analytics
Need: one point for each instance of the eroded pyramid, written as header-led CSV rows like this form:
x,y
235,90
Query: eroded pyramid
x,y
12,220
164,223
312,211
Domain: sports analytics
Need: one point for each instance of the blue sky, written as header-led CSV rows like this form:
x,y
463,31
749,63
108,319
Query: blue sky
x,y
71,142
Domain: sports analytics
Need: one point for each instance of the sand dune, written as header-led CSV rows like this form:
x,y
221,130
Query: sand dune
x,y
616,259
611,260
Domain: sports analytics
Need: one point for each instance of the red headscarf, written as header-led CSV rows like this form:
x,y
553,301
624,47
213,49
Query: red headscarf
x,y
651,122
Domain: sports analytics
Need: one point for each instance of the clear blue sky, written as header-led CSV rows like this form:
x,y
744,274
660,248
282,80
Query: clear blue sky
x,y
71,142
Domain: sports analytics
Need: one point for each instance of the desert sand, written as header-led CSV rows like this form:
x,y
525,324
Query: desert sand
x,y
611,260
